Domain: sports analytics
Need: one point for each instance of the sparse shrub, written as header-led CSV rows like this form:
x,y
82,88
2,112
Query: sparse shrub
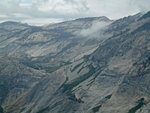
x,y
141,103
96,109
1,110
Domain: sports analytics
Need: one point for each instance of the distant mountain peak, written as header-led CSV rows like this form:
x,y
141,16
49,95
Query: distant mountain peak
x,y
101,18
10,22
13,23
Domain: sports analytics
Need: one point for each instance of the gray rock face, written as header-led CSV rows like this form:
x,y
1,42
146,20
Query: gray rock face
x,y
29,54
61,69
16,79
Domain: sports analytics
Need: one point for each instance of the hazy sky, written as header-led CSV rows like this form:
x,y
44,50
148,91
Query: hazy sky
x,y
47,11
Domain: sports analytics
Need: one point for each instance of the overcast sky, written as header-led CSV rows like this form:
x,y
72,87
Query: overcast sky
x,y
47,11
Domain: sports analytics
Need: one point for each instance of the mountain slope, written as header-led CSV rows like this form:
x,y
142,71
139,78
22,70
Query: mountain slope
x,y
127,55
114,78
15,79
58,44
32,53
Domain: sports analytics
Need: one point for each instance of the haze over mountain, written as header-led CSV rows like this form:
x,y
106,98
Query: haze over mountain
x,y
87,65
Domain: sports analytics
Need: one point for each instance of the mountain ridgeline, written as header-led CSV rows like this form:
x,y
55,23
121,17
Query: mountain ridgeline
x,y
88,65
